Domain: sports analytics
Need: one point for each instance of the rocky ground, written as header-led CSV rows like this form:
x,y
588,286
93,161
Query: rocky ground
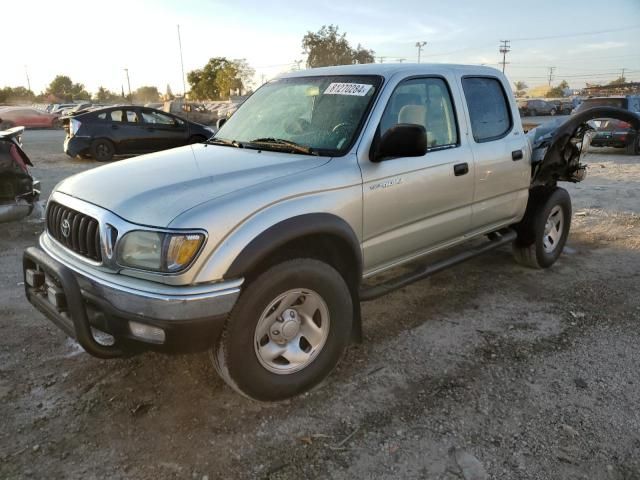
x,y
487,370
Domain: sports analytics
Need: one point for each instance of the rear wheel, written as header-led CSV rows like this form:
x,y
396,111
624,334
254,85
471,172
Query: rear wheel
x,y
102,150
633,148
288,330
543,232
6,125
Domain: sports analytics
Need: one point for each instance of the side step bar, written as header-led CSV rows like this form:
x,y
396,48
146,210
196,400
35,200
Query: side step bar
x,y
496,239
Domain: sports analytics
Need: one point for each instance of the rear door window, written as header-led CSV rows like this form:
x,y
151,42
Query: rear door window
x,y
488,108
157,118
117,116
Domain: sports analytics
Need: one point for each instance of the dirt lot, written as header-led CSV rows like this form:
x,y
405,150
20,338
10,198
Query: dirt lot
x,y
488,369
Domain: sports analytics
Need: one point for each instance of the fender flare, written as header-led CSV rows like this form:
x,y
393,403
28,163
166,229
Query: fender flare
x,y
291,229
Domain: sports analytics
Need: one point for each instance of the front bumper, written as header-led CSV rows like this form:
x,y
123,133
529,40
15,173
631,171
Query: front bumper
x,y
78,303
74,146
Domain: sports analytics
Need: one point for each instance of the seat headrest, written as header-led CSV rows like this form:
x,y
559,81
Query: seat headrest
x,y
414,114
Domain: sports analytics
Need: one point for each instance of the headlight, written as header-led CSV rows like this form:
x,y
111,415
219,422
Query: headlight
x,y
157,251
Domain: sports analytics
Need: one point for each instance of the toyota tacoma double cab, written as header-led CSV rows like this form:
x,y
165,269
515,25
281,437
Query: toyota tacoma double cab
x,y
255,244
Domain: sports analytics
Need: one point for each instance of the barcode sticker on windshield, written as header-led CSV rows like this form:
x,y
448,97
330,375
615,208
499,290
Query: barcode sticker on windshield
x,y
357,89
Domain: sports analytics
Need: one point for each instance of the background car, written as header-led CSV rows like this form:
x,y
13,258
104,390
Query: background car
x,y
536,107
106,132
610,132
27,117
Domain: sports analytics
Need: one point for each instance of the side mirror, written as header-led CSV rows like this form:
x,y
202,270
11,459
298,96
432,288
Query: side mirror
x,y
221,122
401,140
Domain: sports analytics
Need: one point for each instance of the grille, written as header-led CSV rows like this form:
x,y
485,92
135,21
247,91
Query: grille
x,y
74,230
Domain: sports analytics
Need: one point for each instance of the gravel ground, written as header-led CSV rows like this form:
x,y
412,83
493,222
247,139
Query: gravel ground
x,y
487,370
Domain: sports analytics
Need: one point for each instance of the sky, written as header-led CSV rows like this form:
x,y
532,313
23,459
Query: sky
x,y
94,41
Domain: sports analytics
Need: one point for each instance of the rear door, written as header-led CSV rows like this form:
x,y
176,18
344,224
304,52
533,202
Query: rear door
x,y
166,131
503,171
413,204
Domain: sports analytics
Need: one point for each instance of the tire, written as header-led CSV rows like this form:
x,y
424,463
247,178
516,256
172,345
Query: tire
x,y
56,123
251,331
633,148
552,112
533,113
544,229
6,125
102,150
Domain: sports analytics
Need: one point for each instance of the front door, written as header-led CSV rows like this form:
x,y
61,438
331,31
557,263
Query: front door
x,y
413,204
165,131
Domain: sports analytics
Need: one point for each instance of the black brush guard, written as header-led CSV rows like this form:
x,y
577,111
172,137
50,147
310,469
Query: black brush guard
x,y
73,318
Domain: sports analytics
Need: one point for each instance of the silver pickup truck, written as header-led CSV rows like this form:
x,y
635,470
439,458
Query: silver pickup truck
x,y
255,245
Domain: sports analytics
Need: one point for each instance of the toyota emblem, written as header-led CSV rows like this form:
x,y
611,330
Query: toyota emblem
x,y
65,228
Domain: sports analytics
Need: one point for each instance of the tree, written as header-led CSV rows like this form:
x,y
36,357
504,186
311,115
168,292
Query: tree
x,y
104,95
362,55
520,88
327,47
146,94
64,89
16,95
558,91
618,81
218,78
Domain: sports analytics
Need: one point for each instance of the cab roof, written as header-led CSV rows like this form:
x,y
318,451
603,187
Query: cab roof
x,y
387,70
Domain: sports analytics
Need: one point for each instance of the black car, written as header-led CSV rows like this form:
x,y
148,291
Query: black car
x,y
536,107
127,129
613,132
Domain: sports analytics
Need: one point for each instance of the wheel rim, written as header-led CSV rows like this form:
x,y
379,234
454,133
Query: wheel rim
x,y
292,331
102,150
553,229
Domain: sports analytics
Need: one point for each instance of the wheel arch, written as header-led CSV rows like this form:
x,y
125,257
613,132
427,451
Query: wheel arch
x,y
322,236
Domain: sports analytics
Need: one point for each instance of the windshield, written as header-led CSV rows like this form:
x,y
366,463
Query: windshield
x,y
316,115
602,102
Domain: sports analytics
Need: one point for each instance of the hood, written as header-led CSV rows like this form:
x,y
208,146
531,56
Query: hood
x,y
153,189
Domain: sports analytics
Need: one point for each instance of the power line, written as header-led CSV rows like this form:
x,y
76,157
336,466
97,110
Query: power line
x,y
568,35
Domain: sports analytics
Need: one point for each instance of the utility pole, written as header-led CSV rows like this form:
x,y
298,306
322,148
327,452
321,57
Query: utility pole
x,y
128,83
505,47
26,72
621,75
419,45
297,62
381,59
551,69
400,60
184,87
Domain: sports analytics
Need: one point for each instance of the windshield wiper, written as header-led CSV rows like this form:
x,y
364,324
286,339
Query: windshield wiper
x,y
222,141
296,147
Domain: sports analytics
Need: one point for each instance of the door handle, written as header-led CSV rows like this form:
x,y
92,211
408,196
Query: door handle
x,y
517,155
460,169
114,127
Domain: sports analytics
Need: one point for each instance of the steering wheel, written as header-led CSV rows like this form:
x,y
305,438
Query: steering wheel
x,y
341,125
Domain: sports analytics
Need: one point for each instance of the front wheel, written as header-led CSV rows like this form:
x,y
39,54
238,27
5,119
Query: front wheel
x,y
287,332
543,232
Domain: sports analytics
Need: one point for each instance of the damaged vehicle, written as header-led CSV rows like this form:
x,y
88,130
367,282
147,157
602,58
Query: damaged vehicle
x,y
259,244
19,192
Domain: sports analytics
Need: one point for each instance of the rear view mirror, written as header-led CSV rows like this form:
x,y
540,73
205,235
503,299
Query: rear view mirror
x,y
401,140
220,122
